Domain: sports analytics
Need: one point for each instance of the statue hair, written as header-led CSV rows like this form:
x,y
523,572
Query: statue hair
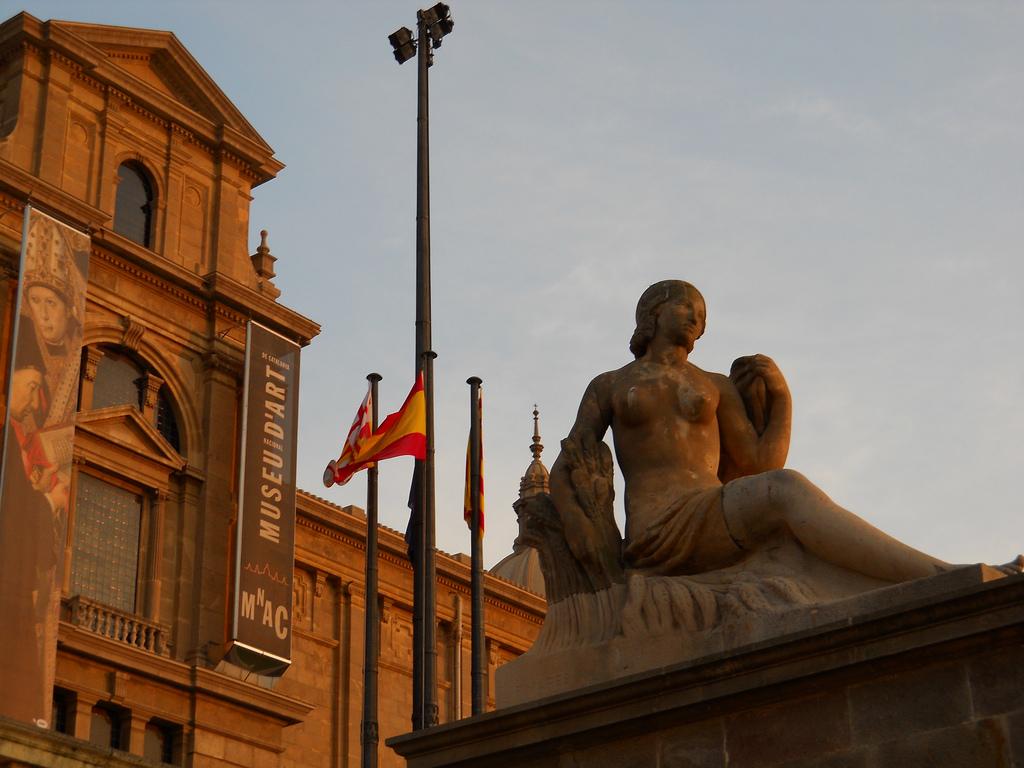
x,y
647,311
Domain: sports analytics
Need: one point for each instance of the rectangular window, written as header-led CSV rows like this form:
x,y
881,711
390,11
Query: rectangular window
x,y
162,742
109,726
105,559
63,710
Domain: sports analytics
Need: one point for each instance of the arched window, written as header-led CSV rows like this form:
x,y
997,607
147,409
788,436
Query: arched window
x,y
121,380
133,210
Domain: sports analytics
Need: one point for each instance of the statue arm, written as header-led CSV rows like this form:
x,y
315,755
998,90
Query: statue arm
x,y
594,415
755,414
582,486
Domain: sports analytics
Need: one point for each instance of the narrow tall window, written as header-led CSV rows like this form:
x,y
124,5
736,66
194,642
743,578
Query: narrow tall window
x,y
133,209
105,562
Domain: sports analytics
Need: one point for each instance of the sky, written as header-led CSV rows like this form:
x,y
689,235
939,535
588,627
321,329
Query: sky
x,y
843,182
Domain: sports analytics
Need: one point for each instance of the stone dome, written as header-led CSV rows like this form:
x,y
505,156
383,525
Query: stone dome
x,y
522,567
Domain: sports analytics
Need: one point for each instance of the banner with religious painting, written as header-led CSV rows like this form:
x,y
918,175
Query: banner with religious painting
x,y
35,474
261,635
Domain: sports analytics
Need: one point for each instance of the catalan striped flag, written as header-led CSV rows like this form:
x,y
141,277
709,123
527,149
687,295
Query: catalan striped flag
x,y
403,433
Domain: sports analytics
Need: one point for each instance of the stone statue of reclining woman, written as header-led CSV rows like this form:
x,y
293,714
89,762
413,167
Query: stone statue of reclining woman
x,y
716,528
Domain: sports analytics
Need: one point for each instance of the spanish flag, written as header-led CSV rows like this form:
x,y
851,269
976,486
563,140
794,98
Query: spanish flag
x,y
467,503
403,433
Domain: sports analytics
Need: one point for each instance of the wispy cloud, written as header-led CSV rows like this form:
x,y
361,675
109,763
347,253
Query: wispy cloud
x,y
821,112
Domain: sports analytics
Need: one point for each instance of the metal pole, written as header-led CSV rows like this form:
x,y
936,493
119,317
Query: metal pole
x,y
425,647
371,635
479,669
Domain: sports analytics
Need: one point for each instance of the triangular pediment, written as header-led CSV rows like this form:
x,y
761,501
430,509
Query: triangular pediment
x,y
158,61
124,426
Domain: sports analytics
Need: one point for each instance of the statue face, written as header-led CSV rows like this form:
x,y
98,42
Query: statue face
x,y
50,313
25,386
681,319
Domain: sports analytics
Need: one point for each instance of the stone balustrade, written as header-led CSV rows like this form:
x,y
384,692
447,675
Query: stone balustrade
x,y
119,626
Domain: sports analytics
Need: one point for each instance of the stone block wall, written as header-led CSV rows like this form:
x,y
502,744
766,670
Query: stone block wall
x,y
934,682
956,714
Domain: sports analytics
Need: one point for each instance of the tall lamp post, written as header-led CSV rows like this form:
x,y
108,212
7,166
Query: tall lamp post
x,y
432,25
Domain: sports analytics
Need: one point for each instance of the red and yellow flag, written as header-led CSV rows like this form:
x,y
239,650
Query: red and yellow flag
x,y
403,433
467,505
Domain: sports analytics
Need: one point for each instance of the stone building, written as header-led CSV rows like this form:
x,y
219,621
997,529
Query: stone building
x,y
119,132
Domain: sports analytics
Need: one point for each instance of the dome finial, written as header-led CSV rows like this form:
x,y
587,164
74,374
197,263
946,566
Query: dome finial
x,y
536,478
537,447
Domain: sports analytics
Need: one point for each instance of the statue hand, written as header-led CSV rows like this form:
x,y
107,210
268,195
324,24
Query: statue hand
x,y
745,370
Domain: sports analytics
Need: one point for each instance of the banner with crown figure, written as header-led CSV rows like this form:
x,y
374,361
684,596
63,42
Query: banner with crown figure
x,y
35,473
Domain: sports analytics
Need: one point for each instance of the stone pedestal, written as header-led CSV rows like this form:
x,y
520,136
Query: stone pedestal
x,y
930,673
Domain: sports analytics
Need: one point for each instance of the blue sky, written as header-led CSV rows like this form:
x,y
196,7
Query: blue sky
x,y
843,182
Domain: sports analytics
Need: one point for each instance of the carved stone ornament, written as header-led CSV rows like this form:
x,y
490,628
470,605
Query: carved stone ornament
x,y
133,332
92,362
153,384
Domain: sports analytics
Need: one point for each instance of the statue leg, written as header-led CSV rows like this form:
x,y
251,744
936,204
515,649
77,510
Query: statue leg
x,y
758,506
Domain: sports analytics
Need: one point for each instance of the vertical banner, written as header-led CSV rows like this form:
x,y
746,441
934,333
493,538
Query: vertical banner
x,y
35,473
261,636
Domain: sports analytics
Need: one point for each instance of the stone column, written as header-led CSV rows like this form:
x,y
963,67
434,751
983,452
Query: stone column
x,y
69,534
157,517
183,581
150,397
456,713
82,716
217,504
137,736
92,362
353,604
112,125
492,666
51,146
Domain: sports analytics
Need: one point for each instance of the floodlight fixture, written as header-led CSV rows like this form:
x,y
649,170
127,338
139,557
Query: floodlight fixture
x,y
403,44
438,21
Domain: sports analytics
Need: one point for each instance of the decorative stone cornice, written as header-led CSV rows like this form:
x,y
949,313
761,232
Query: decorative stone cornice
x,y
330,533
144,275
23,187
252,303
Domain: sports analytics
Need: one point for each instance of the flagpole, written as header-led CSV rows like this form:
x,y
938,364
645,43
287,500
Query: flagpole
x,y
432,25
371,634
426,647
479,669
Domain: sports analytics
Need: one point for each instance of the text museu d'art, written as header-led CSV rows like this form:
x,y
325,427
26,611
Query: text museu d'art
x,y
265,541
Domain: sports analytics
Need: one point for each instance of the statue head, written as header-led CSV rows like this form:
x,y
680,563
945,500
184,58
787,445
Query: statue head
x,y
53,285
647,310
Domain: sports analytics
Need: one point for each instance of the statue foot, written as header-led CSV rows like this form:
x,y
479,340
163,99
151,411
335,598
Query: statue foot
x,y
1013,568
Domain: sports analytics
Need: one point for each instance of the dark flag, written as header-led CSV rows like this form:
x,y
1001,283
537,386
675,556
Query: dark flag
x,y
415,516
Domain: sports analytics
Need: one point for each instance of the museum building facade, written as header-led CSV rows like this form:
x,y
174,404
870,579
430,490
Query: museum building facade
x,y
120,133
